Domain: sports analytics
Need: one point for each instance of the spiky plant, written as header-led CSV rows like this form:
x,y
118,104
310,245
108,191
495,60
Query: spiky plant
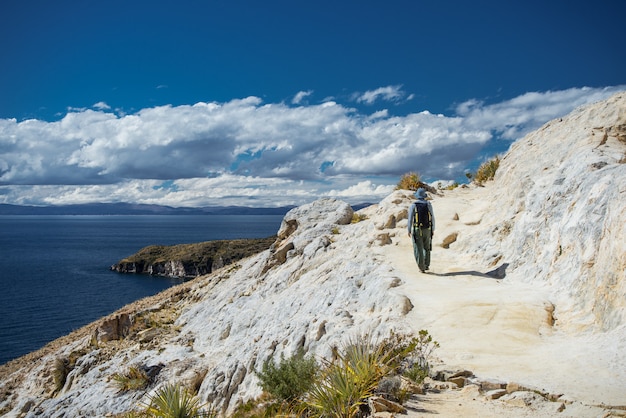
x,y
134,379
347,382
174,401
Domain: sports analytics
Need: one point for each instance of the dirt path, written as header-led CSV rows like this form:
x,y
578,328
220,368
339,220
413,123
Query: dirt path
x,y
481,322
498,329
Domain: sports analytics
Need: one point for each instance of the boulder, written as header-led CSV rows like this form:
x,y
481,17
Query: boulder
x,y
380,404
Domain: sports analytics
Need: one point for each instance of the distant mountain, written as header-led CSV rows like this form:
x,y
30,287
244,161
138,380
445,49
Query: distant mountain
x,y
136,209
140,209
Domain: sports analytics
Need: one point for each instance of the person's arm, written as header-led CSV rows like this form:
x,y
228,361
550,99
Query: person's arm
x,y
411,215
432,218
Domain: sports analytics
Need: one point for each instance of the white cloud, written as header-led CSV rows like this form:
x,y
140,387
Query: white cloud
x,y
364,191
389,93
246,152
101,106
520,115
301,95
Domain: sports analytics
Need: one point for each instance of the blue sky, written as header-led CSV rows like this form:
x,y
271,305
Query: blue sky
x,y
196,103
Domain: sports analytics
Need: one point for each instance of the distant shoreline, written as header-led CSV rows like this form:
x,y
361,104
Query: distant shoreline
x,y
133,209
103,209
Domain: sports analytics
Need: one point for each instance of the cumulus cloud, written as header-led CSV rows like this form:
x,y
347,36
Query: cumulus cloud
x,y
389,93
246,152
300,96
101,106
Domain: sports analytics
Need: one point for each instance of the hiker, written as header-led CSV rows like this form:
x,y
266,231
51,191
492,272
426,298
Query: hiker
x,y
421,229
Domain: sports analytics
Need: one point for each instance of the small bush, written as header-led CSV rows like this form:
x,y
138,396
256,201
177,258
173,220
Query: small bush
x,y
487,170
63,366
391,388
60,370
416,364
290,379
134,379
409,181
356,218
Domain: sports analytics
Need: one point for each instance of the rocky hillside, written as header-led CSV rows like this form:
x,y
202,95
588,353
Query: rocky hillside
x,y
190,260
558,215
545,329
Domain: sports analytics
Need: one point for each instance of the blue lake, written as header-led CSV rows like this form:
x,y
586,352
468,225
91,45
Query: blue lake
x,y
54,270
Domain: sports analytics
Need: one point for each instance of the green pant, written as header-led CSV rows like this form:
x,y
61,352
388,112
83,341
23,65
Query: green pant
x,y
421,247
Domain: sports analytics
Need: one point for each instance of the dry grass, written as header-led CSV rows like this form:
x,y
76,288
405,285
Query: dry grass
x,y
487,171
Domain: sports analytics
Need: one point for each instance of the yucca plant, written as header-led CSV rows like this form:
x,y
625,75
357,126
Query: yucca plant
x,y
336,395
347,382
173,401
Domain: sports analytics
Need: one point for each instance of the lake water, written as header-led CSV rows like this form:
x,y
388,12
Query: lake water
x,y
54,270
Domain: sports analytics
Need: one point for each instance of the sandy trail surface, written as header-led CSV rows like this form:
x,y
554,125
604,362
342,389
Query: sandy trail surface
x,y
499,329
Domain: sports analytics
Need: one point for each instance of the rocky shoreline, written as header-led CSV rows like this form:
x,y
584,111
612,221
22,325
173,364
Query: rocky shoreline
x,y
190,260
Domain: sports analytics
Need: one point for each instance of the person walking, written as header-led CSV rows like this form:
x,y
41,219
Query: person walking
x,y
421,229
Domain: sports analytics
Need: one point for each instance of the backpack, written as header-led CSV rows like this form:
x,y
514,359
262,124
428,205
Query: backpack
x,y
422,215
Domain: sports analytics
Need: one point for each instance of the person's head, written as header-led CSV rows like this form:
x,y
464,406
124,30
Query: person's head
x,y
420,193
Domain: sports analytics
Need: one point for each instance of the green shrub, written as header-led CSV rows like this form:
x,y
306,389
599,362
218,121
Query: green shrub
x,y
340,388
415,373
291,378
416,363
487,170
391,388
